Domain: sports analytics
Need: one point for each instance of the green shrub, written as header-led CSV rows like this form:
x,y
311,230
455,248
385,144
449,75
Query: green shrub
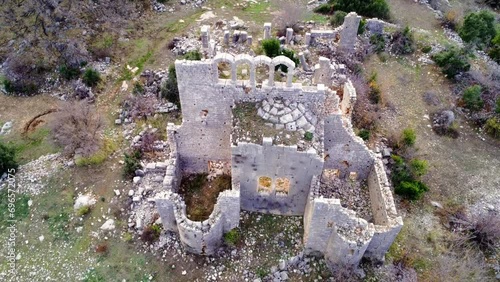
x,y
367,8
406,179
26,88
472,98
408,137
375,93
362,26
232,237
291,55
8,161
497,107
308,136
494,52
338,18
128,237
426,49
91,77
492,127
364,134
378,42
412,190
452,61
324,9
418,167
132,163
478,28
170,90
151,233
194,55
69,72
271,47
403,42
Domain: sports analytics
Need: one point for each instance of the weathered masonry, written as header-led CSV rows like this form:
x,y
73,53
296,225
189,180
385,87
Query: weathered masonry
x,y
312,177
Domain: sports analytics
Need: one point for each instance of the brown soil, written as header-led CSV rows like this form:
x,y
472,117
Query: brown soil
x,y
200,195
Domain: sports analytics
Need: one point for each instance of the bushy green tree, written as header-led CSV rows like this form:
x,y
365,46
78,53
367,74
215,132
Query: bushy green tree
x,y
7,159
452,61
271,47
478,28
472,98
194,55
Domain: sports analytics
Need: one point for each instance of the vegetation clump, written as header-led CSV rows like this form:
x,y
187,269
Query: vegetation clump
x,y
338,18
492,127
408,137
232,237
8,161
367,8
193,55
403,42
452,61
169,89
308,136
406,177
472,98
478,29
378,43
91,77
132,163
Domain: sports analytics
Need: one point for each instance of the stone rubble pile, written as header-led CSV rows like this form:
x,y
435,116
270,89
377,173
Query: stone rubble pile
x,y
6,128
29,177
158,7
352,194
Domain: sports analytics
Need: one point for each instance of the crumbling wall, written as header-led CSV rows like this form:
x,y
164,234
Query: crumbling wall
x,y
251,161
344,150
387,222
172,178
200,237
334,231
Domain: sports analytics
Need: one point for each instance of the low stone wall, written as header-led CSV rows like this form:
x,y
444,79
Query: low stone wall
x,y
200,237
334,231
278,165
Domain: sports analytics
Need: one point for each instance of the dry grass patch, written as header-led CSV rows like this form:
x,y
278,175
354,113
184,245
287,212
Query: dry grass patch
x,y
200,195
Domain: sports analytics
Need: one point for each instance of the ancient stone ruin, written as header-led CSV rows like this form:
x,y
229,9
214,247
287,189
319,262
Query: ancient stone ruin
x,y
290,150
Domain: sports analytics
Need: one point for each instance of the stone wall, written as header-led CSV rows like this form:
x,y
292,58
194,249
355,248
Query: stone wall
x,y
387,222
349,32
251,161
200,237
334,231
345,151
206,103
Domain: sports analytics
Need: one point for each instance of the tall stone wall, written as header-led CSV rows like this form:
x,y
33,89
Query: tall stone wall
x,y
251,161
345,151
387,222
206,104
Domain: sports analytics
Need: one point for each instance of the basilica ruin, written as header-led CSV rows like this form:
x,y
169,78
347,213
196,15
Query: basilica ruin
x,y
290,150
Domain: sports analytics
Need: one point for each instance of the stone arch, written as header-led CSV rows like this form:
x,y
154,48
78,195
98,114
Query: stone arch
x,y
226,58
265,60
246,59
282,60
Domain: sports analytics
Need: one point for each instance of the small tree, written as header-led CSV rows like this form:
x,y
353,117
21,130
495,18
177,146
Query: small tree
x,y
7,159
91,77
76,127
478,28
452,61
472,98
170,90
492,127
